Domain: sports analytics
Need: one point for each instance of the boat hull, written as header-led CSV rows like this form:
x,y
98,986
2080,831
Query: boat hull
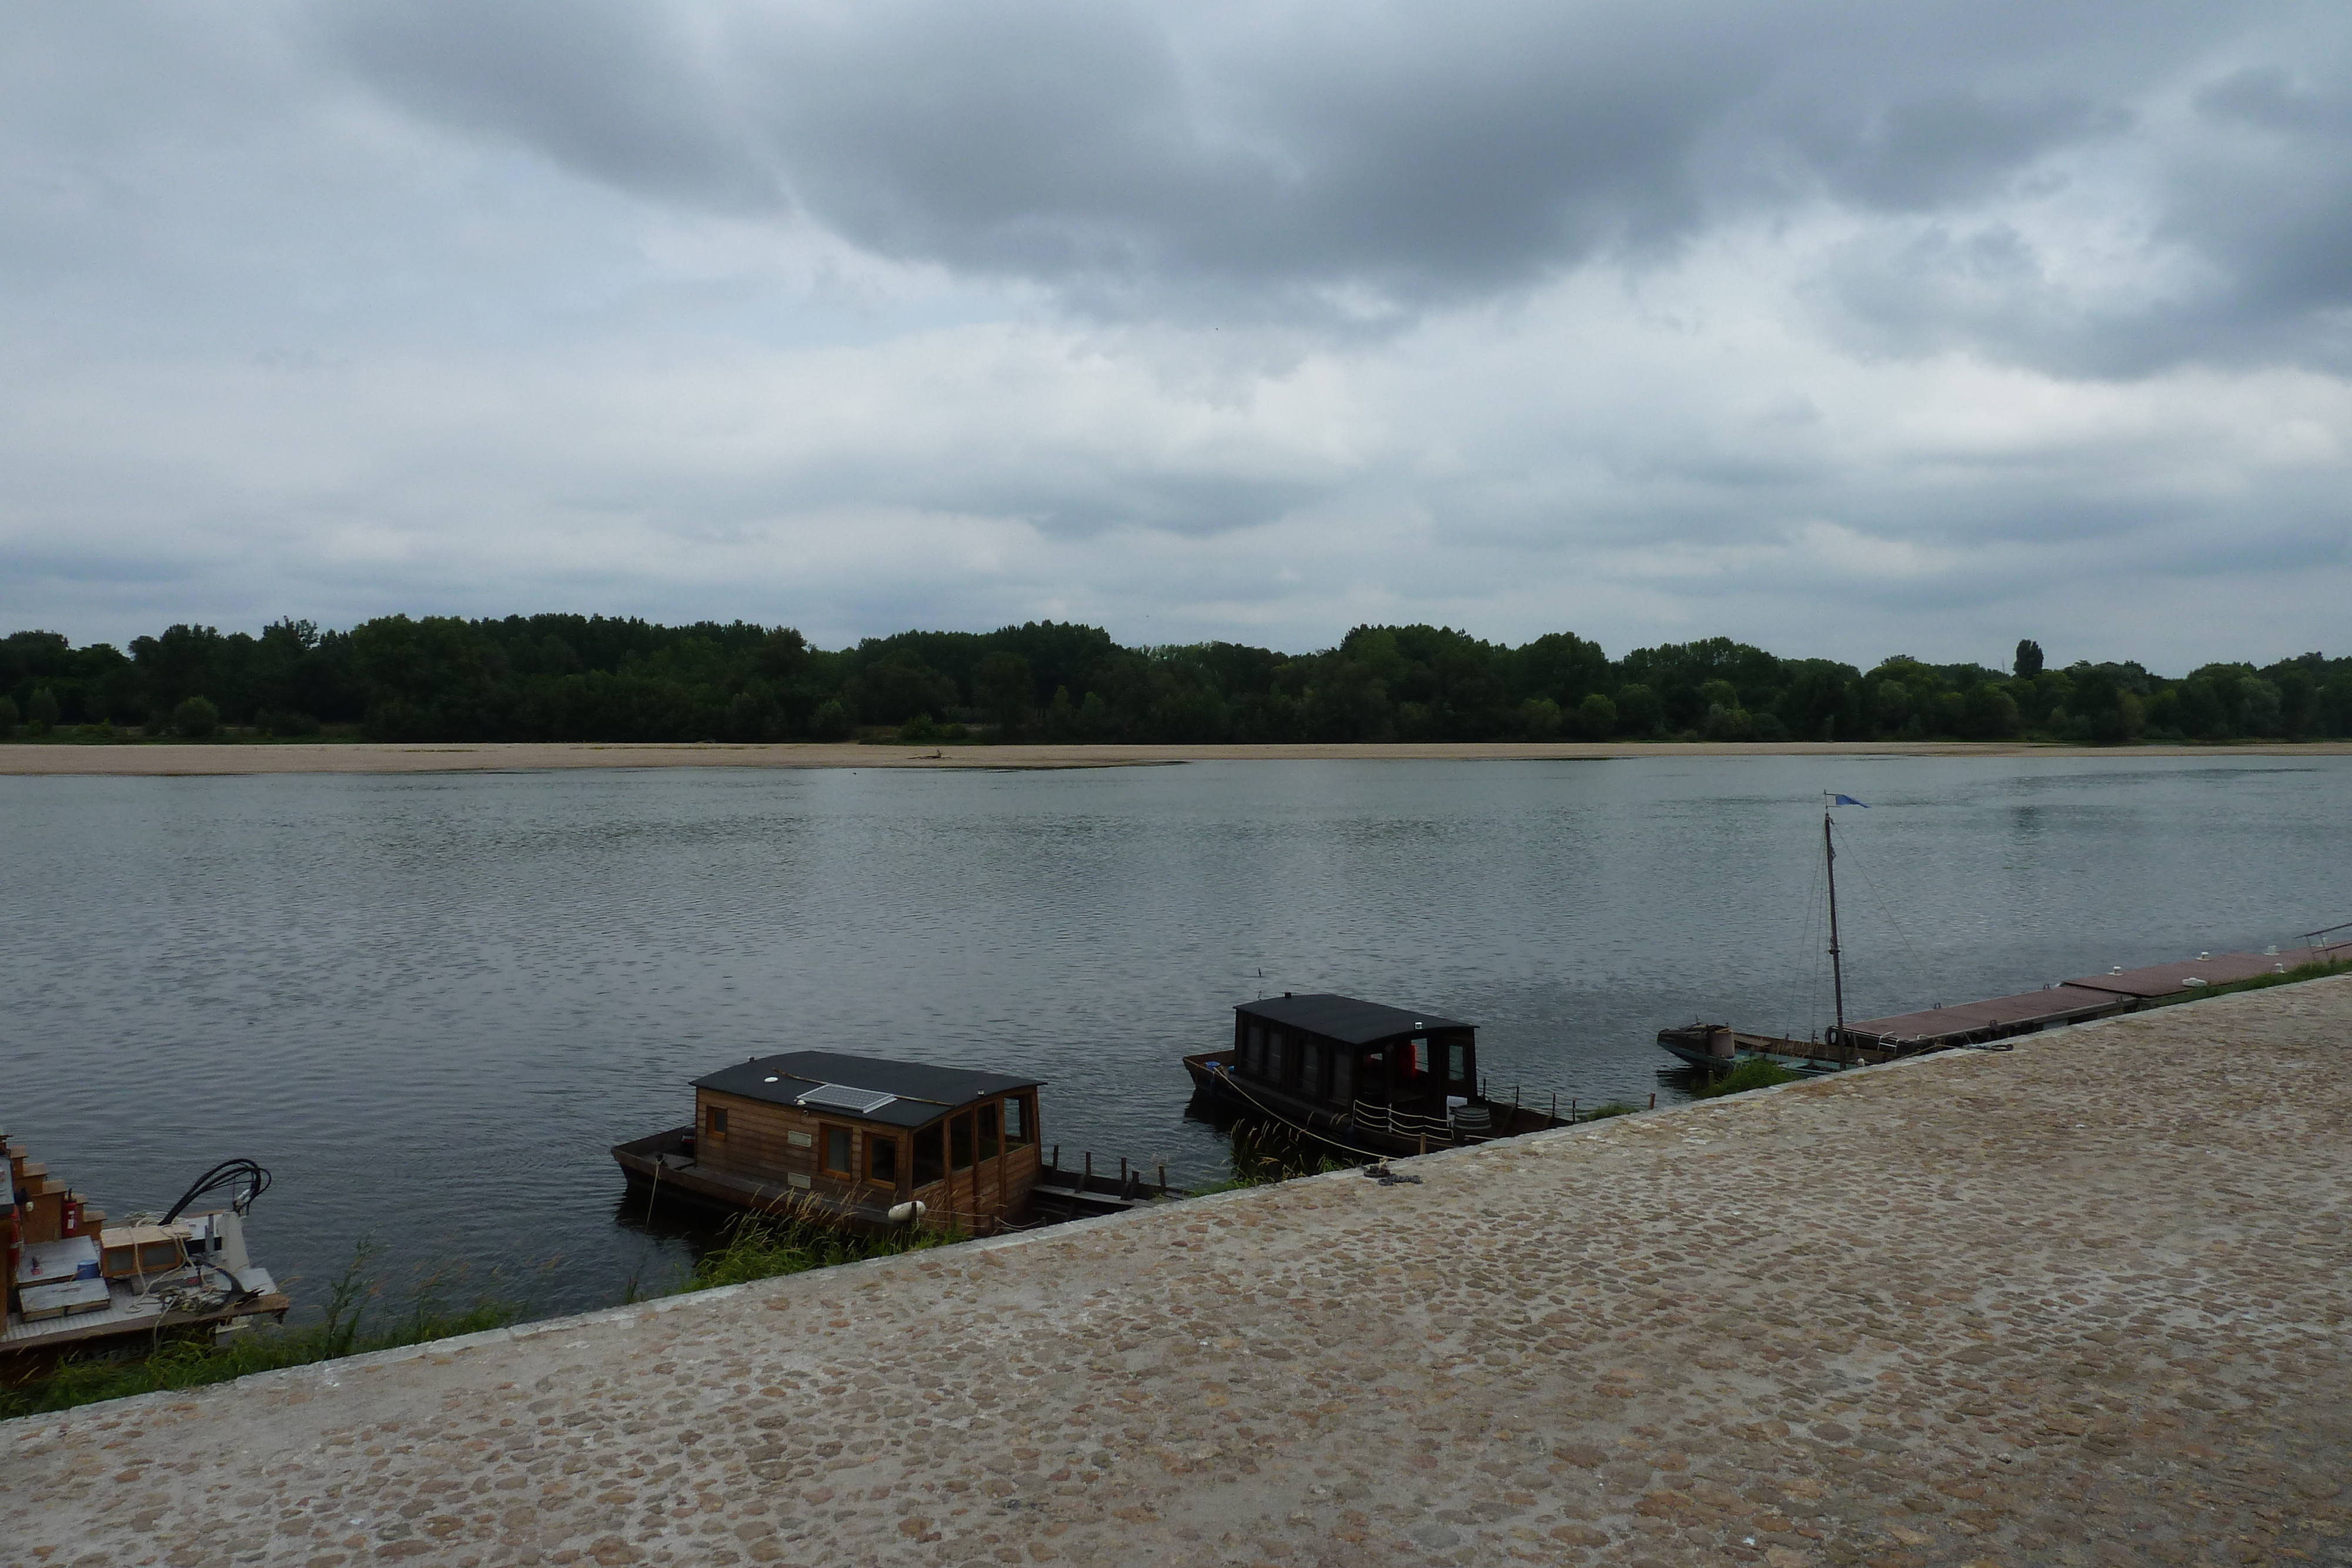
x,y
1356,1133
663,1170
1690,1043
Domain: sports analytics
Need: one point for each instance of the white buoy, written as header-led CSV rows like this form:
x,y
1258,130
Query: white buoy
x,y
905,1213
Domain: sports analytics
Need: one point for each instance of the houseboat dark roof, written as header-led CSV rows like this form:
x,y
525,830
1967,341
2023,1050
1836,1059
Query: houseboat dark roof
x,y
896,1094
1344,1019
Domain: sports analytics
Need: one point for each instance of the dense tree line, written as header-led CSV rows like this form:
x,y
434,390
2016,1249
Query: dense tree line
x,y
573,677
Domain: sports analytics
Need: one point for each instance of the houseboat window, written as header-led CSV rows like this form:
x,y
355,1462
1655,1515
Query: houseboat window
x,y
882,1159
837,1151
929,1166
1020,1122
1310,1071
159,1255
1343,1076
960,1144
1254,1052
718,1122
1457,1062
1274,1042
1418,1063
991,1120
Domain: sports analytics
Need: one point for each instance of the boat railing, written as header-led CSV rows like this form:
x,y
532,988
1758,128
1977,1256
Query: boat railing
x,y
1411,1125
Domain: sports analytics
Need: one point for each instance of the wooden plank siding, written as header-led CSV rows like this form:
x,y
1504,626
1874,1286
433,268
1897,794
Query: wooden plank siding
x,y
761,1143
977,1199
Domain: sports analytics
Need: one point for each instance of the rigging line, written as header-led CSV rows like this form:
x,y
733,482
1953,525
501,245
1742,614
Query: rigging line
x,y
1278,1116
1810,957
1918,960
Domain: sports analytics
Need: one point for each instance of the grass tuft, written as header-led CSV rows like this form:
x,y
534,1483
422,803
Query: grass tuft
x,y
765,1247
1756,1073
1263,1153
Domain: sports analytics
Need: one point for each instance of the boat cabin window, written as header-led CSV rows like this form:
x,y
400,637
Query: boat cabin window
x,y
718,1119
1343,1076
928,1165
882,1159
1273,1070
1416,1059
991,1123
1253,1051
960,1144
836,1143
159,1255
1020,1122
1457,1062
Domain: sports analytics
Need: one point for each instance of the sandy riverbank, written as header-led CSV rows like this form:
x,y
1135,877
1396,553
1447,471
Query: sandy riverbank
x,y
174,759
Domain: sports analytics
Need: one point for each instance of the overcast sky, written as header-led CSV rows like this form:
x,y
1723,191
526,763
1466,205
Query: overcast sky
x,y
1845,328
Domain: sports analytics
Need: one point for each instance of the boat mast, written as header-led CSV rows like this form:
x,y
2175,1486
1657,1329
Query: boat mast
x,y
1837,973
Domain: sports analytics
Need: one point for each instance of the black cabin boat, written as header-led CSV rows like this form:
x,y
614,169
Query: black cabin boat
x,y
1360,1075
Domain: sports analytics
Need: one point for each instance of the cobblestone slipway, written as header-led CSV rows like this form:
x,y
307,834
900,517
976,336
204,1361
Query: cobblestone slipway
x,y
2081,1301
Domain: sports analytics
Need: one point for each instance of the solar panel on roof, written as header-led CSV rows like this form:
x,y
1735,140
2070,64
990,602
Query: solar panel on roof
x,y
841,1097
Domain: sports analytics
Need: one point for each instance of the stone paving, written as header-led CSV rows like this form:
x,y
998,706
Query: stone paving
x,y
2082,1302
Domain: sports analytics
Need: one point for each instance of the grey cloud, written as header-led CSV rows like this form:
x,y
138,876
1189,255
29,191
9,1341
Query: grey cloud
x,y
1933,151
1345,169
1133,156
622,93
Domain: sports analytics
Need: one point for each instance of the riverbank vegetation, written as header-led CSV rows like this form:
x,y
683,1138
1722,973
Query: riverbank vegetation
x,y
590,678
763,1247
354,1321
1756,1073
347,1327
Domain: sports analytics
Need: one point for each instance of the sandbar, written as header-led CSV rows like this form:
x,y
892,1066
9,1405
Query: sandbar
x,y
170,759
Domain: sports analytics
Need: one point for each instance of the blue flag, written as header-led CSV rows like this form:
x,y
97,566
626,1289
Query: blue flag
x,y
1848,800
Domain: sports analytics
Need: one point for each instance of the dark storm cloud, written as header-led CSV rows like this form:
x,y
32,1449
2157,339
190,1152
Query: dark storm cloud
x,y
1375,159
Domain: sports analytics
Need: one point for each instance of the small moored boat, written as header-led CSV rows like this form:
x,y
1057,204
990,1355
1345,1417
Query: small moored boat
x,y
74,1283
1362,1076
854,1141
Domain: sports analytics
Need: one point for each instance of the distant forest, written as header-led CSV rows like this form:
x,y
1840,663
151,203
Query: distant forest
x,y
573,677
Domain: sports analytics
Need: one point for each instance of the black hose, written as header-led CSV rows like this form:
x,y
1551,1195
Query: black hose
x,y
227,1174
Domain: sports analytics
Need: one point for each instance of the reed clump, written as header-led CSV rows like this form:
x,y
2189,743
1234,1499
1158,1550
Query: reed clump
x,y
1601,1113
1756,1073
1264,1152
767,1246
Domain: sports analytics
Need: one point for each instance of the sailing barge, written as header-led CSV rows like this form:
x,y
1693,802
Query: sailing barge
x,y
1868,1041
868,1144
1360,1075
71,1282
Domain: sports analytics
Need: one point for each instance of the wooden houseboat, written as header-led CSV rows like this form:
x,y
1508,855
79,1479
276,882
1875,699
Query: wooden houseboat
x,y
1360,1075
71,1282
853,1141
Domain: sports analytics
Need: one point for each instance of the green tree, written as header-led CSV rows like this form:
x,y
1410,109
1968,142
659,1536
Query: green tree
x,y
1639,712
833,721
196,718
1596,717
8,715
2028,662
42,711
1003,687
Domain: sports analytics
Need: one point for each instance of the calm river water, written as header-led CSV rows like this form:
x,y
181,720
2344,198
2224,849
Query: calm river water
x,y
429,1004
